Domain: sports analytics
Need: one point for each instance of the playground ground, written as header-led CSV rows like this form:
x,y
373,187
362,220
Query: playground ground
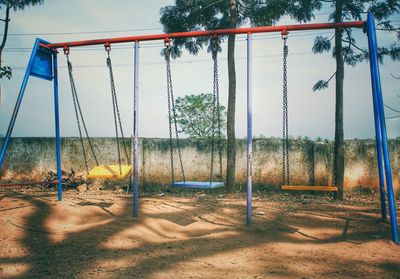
x,y
182,235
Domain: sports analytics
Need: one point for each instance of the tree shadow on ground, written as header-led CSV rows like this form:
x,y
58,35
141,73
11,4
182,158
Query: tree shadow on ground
x,y
83,253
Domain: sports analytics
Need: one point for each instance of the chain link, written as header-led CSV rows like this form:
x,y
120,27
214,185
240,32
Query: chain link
x,y
285,132
79,115
172,115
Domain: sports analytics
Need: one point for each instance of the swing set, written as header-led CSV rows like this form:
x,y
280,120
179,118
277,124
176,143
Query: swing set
x,y
43,64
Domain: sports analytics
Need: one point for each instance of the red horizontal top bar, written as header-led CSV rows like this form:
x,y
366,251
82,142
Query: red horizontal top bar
x,y
261,29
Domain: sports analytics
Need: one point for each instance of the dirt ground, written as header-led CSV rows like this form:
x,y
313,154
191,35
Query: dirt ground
x,y
192,235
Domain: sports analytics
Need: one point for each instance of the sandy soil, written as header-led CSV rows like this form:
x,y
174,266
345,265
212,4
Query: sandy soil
x,y
181,235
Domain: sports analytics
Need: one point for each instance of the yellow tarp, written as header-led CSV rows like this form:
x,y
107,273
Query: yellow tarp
x,y
110,171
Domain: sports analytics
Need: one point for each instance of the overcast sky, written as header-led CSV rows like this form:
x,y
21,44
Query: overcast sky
x,y
310,114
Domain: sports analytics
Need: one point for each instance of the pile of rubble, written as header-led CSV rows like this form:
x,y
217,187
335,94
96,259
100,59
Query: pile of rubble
x,y
70,180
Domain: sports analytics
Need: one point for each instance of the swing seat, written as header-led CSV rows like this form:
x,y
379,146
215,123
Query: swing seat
x,y
197,184
310,188
110,171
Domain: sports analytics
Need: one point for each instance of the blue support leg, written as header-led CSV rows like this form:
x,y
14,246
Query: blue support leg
x,y
57,128
249,129
18,103
377,91
378,142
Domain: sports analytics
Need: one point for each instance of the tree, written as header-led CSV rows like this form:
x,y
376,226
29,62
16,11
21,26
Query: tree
x,y
8,5
190,15
346,51
195,116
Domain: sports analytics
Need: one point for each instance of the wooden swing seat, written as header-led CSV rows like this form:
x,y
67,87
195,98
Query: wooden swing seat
x,y
309,188
110,171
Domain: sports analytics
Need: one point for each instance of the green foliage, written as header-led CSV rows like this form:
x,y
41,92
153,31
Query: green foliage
x,y
8,5
190,15
269,12
393,52
321,44
383,9
195,116
387,26
20,4
383,12
5,72
320,85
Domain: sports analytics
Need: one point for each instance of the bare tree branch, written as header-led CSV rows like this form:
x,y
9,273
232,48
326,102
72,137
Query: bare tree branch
x,y
395,110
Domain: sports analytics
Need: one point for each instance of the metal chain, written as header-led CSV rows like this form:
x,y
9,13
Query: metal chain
x,y
172,115
334,165
167,60
114,113
219,134
79,115
117,116
214,54
124,145
73,89
220,144
215,110
285,132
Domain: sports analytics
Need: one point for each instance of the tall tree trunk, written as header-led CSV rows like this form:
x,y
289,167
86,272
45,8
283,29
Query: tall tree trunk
x,y
230,127
339,131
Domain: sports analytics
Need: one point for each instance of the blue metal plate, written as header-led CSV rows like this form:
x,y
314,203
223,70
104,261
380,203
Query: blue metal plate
x,y
197,184
43,65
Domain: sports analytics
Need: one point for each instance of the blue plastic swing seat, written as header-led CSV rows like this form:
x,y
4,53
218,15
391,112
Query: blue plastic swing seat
x,y
197,184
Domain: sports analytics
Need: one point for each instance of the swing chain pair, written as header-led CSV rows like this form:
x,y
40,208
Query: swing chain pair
x,y
116,111
285,130
78,113
172,112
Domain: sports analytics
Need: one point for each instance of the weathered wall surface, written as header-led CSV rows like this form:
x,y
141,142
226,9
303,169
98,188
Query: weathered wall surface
x,y
310,162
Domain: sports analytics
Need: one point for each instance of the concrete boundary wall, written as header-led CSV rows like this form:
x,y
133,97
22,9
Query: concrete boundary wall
x,y
310,162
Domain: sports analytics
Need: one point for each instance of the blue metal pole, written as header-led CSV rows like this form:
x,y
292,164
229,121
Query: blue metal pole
x,y
377,91
249,128
378,140
135,172
18,103
57,127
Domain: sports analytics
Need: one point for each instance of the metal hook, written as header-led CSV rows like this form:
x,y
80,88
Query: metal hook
x,y
107,47
66,50
284,34
167,42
